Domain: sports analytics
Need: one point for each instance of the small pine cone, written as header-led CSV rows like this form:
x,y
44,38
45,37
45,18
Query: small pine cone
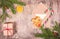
x,y
55,33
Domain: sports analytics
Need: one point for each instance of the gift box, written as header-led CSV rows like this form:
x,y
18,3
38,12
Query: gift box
x,y
8,29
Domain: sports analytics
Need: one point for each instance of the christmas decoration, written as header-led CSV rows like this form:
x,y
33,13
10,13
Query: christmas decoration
x,y
55,34
42,16
48,33
19,8
51,13
37,21
6,4
8,29
44,12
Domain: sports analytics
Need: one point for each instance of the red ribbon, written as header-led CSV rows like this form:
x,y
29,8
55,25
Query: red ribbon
x,y
8,30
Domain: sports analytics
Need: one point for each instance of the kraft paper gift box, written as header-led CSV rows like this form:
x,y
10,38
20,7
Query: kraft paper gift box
x,y
8,29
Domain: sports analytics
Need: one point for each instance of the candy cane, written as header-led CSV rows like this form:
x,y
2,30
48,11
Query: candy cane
x,y
52,11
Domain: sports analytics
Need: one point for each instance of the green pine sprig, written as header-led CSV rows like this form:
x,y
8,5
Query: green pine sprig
x,y
48,34
6,4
